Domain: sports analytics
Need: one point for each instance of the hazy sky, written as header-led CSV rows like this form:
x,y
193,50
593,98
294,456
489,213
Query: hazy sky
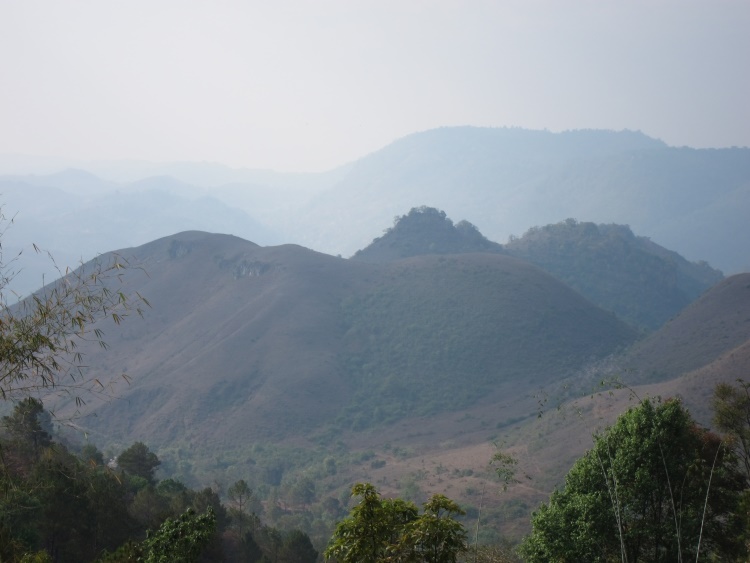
x,y
308,85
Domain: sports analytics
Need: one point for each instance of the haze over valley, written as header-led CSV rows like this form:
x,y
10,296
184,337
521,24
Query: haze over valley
x,y
252,255
505,181
404,359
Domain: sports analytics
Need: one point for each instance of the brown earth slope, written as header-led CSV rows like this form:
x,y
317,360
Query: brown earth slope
x,y
248,344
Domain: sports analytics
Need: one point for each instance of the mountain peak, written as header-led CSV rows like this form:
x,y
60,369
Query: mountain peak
x,y
425,230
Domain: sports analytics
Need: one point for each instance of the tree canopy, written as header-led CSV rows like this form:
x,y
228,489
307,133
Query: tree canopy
x,y
654,487
380,529
731,404
139,461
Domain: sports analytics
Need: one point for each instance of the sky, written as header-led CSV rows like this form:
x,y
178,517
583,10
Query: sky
x,y
305,86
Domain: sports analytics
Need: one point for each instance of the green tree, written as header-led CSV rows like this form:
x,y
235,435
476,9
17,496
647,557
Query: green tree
x,y
180,540
392,530
240,496
91,454
302,491
297,548
139,461
654,487
435,537
30,424
731,404
372,527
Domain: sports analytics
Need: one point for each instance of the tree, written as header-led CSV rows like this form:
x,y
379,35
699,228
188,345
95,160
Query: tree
x,y
91,454
139,461
40,336
434,537
392,530
180,540
302,491
297,548
372,526
30,424
240,496
654,487
731,406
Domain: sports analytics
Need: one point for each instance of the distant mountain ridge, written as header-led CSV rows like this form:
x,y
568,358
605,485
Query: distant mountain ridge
x,y
506,180
644,283
425,230
509,180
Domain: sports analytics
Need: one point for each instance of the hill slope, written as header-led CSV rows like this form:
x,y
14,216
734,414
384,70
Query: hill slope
x,y
279,364
714,324
644,283
251,344
425,230
452,452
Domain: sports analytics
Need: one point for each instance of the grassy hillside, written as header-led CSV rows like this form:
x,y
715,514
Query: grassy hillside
x,y
644,283
285,367
717,322
439,333
247,343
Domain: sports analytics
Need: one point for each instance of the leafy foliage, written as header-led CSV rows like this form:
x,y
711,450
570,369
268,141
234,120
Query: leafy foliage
x,y
392,530
372,527
139,461
434,537
30,423
40,335
180,540
731,404
655,486
297,548
241,500
55,505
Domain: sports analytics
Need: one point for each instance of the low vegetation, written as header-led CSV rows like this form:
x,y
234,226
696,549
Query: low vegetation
x,y
64,503
421,338
654,487
644,283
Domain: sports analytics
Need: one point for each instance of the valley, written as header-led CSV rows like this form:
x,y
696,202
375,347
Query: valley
x,y
411,363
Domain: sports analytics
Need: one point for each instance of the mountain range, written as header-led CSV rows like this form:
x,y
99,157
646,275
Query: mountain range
x,y
242,333
506,180
409,363
275,364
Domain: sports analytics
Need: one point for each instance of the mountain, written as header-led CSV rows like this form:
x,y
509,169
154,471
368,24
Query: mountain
x,y
76,216
713,325
508,180
275,364
251,344
425,230
641,281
